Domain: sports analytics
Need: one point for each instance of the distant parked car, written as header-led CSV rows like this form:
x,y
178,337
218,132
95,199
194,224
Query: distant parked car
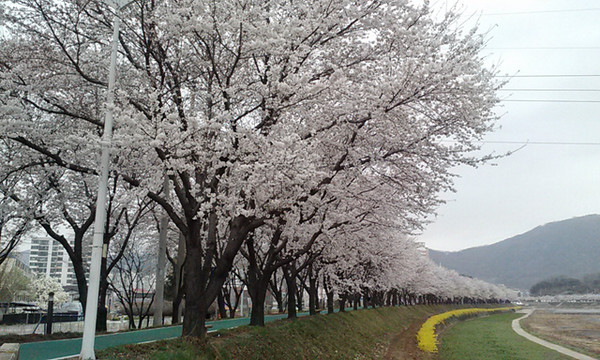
x,y
71,308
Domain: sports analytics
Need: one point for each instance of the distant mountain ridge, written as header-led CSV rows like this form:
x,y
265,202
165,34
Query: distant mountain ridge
x,y
569,247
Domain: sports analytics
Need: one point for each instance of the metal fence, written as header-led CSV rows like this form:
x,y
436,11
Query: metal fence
x,y
34,318
68,326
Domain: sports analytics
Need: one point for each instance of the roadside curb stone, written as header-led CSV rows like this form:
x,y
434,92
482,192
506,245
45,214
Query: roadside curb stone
x,y
9,351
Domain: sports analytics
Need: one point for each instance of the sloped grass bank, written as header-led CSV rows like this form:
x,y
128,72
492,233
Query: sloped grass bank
x,y
491,338
362,334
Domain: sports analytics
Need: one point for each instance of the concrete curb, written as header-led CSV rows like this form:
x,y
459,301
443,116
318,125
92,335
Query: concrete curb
x,y
9,351
517,328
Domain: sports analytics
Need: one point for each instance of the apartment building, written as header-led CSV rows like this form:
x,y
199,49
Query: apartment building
x,y
48,257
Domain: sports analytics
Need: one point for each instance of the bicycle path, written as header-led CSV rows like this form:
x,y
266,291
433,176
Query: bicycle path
x,y
67,348
517,328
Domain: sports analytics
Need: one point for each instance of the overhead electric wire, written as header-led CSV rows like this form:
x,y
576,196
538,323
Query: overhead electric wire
x,y
552,100
548,75
539,142
545,48
527,142
557,90
540,11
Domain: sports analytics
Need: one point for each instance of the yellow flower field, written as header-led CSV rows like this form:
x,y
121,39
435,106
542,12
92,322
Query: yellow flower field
x,y
427,338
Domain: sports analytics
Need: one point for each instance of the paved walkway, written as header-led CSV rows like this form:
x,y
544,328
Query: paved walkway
x,y
67,348
517,328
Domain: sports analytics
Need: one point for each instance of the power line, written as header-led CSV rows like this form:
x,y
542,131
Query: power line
x,y
527,142
548,75
539,142
546,48
552,100
560,90
540,12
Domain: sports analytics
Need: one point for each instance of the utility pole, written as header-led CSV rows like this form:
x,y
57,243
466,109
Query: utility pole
x,y
98,248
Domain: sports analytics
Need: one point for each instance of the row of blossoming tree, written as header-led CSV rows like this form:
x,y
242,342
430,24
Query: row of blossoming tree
x,y
287,141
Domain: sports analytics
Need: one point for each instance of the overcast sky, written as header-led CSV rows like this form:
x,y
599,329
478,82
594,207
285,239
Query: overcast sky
x,y
540,183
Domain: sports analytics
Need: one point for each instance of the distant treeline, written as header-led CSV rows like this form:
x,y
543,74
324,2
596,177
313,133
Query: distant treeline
x,y
565,286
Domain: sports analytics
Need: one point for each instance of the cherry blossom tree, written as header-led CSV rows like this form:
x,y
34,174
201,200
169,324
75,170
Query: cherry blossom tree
x,y
134,281
61,203
42,286
258,112
13,225
15,215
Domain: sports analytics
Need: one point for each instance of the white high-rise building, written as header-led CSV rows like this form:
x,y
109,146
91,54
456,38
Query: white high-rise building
x,y
49,257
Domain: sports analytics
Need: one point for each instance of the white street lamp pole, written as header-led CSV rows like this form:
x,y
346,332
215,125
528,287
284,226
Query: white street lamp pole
x,y
98,251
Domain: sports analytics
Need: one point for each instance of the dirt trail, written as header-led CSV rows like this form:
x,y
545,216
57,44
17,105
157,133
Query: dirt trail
x,y
404,344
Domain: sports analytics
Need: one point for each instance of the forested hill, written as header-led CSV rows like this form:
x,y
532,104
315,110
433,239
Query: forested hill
x,y
569,247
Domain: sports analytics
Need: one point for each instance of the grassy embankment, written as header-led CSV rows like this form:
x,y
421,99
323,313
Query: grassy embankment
x,y
362,334
491,338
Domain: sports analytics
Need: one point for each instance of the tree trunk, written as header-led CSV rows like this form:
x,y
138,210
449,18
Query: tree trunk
x,y
299,296
196,306
258,294
258,283
330,309
330,303
280,302
312,292
232,312
221,306
161,263
130,317
203,283
238,295
343,302
356,300
178,270
176,318
81,281
290,280
277,294
102,316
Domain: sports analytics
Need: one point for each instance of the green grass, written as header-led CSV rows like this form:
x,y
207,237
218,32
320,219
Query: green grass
x,y
491,338
362,334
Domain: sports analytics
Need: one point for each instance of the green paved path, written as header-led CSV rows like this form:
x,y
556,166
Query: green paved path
x,y
54,349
